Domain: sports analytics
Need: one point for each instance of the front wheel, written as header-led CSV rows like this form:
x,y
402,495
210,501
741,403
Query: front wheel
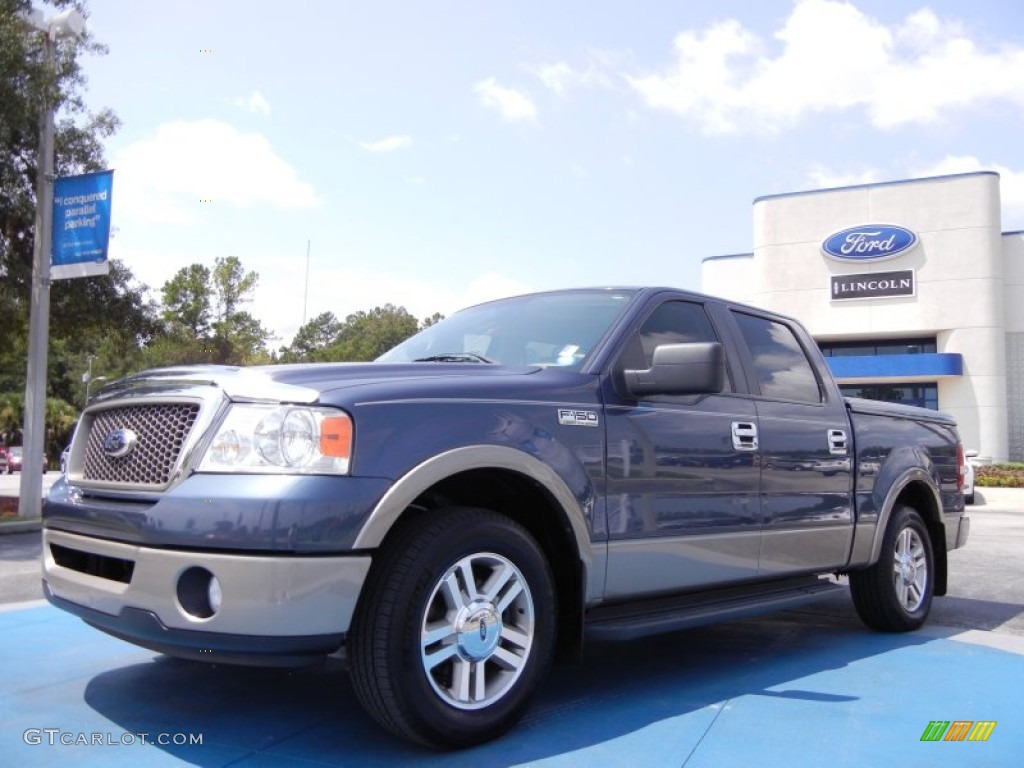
x,y
456,630
895,594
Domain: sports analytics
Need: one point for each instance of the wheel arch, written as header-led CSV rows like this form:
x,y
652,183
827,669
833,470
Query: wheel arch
x,y
916,488
515,484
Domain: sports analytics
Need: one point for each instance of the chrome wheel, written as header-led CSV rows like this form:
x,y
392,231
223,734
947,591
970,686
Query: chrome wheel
x,y
477,631
456,627
910,570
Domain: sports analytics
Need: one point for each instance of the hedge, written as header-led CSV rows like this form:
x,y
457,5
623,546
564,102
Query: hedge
x,y
1000,475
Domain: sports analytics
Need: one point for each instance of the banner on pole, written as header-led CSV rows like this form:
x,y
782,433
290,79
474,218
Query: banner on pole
x,y
81,225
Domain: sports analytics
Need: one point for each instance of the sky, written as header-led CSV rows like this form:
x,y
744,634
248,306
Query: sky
x,y
437,154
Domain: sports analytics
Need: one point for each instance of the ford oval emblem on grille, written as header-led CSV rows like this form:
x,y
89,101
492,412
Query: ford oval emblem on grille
x,y
119,443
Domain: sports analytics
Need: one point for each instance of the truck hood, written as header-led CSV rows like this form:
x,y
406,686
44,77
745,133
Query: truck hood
x,y
296,383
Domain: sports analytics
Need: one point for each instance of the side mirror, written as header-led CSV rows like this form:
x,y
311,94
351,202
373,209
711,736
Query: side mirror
x,y
681,369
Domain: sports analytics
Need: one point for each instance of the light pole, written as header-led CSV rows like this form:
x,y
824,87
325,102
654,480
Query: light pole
x,y
67,24
89,384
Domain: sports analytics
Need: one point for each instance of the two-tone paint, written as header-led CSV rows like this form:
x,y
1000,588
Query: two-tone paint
x,y
632,498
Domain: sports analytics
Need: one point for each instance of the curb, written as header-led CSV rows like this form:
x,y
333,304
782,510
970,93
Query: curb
x,y
21,526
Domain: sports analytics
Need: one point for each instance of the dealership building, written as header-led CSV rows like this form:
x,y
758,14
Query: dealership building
x,y
911,289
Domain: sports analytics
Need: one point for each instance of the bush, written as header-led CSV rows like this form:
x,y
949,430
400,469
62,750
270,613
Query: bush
x,y
1010,475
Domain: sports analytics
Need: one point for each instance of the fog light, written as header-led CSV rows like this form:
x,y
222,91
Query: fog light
x,y
214,594
198,592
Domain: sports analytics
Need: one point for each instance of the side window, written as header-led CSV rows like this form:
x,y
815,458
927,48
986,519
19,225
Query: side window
x,y
674,322
782,367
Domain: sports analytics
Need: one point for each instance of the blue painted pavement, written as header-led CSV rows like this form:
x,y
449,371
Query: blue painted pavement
x,y
791,689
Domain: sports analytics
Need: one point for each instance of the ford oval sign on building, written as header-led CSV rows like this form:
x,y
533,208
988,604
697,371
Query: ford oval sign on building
x,y
869,242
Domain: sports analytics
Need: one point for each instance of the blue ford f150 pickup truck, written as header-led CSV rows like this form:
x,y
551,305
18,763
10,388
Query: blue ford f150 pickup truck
x,y
523,475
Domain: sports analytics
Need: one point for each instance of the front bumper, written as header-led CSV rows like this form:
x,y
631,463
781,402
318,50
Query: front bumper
x,y
280,609
289,514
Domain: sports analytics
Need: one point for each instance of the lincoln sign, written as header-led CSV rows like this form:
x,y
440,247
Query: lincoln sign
x,y
877,285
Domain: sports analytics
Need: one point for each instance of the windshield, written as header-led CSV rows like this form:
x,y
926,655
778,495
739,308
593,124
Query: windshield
x,y
546,329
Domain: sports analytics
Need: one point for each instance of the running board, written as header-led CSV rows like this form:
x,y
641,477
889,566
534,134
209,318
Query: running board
x,y
627,621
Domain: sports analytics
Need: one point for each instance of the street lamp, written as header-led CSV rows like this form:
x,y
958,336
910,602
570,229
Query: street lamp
x,y
68,24
88,384
87,377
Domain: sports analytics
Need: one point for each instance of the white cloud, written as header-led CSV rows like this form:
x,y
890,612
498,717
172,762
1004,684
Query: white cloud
x,y
821,177
163,178
390,144
830,57
1011,183
254,103
560,77
512,104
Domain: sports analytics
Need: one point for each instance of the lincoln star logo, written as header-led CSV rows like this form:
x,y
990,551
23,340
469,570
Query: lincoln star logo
x,y
869,242
119,443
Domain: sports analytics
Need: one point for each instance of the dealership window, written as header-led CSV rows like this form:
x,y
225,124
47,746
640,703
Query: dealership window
x,y
878,347
921,395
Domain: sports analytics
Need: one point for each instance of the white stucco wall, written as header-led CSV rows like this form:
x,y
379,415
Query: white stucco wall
x,y
729,277
1013,281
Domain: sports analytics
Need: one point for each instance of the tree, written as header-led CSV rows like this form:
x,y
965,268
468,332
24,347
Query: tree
x,y
312,340
186,302
233,286
434,319
362,336
367,335
238,336
24,80
108,318
203,319
87,314
60,421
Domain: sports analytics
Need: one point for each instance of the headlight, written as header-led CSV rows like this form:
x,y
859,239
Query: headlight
x,y
282,439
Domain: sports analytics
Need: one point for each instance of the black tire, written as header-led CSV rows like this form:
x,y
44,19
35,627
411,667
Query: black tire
x,y
895,594
968,498
496,638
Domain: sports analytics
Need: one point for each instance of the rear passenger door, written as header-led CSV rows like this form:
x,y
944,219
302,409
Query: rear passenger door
x,y
682,478
805,450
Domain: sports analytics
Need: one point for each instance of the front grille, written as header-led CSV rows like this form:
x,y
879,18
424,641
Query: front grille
x,y
162,431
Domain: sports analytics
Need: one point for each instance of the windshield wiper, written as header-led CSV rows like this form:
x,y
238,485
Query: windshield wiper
x,y
454,357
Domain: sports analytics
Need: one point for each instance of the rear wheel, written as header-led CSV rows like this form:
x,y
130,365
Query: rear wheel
x,y
895,594
456,629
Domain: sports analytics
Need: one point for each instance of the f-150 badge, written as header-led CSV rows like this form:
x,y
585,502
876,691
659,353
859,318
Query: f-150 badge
x,y
570,417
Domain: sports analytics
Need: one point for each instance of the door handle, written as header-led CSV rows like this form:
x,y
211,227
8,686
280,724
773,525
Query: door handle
x,y
837,444
744,436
